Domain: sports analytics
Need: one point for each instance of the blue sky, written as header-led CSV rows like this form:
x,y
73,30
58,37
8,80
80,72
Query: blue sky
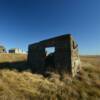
x,y
27,21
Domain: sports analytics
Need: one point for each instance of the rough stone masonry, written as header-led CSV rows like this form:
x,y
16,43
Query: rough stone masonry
x,y
66,56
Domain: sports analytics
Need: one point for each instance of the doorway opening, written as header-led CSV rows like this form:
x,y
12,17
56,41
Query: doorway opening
x,y
50,57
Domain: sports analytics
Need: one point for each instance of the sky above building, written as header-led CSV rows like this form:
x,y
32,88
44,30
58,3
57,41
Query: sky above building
x,y
23,22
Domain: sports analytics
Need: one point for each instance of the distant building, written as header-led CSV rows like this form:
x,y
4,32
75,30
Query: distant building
x,y
2,49
15,50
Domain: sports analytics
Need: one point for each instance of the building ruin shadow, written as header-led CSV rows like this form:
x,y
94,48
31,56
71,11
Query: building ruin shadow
x,y
18,65
21,66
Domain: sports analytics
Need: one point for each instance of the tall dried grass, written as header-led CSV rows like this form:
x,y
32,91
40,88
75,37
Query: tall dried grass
x,y
16,85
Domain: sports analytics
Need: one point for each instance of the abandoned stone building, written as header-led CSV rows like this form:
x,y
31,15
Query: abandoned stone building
x,y
2,49
65,57
15,50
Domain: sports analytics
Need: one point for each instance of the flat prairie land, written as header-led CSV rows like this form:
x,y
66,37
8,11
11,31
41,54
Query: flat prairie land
x,y
11,57
24,85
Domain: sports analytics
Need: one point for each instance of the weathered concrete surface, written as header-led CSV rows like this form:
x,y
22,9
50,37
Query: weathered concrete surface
x,y
66,56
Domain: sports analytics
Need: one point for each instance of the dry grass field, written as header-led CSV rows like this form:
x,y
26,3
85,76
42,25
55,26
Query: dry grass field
x,y
24,85
4,57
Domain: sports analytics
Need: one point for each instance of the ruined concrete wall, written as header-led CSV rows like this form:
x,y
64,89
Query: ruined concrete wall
x,y
36,55
75,60
64,56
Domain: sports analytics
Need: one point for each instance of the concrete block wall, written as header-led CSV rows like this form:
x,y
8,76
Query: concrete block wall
x,y
66,55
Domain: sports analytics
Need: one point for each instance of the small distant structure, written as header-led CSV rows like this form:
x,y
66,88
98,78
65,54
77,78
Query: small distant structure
x,y
15,50
2,49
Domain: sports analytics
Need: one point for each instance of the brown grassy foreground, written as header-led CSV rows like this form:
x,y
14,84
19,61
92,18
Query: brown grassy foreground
x,y
16,85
